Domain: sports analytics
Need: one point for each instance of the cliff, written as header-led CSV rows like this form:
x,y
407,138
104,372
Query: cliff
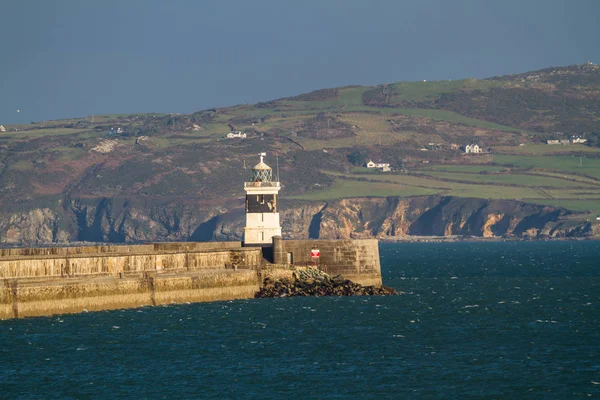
x,y
443,216
115,221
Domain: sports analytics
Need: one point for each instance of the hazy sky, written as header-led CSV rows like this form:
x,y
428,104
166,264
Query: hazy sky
x,y
72,58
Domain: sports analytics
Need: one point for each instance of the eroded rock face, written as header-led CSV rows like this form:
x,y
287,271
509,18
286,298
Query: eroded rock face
x,y
124,221
439,216
40,225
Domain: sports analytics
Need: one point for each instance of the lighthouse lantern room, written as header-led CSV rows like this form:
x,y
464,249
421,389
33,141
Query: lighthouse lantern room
x,y
262,213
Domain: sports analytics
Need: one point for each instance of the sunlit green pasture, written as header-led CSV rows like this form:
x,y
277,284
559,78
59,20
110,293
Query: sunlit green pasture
x,y
351,188
506,179
589,166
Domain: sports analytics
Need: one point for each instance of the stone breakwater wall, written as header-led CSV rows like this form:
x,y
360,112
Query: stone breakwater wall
x,y
46,281
26,298
125,260
356,260
58,280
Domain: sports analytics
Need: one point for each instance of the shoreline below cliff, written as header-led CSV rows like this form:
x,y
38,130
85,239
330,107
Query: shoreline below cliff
x,y
452,239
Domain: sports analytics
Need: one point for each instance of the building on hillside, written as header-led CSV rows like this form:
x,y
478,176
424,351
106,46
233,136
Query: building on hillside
x,y
454,146
435,146
2,128
578,139
473,149
557,141
385,167
234,135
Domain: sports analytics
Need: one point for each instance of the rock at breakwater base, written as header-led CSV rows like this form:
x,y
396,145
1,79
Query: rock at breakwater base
x,y
313,282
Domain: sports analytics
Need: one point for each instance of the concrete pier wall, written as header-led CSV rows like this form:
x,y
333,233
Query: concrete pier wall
x,y
133,260
23,298
357,260
46,281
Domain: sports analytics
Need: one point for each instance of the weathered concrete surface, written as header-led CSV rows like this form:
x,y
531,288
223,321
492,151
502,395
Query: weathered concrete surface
x,y
357,260
22,298
118,249
135,260
46,281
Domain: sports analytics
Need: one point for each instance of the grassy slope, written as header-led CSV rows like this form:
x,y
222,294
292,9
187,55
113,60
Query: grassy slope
x,y
384,123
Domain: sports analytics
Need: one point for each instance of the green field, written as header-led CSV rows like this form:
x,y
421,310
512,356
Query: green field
x,y
35,133
463,168
545,149
507,179
559,192
418,91
590,166
592,206
403,181
351,188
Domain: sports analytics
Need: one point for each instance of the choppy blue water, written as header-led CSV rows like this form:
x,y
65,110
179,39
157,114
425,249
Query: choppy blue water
x,y
478,320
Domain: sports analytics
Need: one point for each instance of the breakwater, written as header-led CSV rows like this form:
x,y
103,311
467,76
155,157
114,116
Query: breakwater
x,y
56,280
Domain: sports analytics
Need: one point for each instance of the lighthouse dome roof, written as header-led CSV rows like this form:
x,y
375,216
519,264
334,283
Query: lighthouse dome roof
x,y
261,166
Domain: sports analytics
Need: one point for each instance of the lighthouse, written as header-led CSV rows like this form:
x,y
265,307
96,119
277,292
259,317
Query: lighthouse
x,y
262,210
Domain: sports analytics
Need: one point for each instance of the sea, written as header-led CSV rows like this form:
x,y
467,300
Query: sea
x,y
502,320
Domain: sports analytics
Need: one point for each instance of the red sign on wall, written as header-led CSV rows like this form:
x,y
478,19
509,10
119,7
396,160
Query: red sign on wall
x,y
315,253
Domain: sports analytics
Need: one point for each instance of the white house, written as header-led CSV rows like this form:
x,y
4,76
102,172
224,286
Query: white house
x,y
233,135
553,141
473,148
385,167
579,140
2,128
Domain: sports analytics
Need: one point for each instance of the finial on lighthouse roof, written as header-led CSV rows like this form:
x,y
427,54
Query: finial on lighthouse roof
x,y
261,165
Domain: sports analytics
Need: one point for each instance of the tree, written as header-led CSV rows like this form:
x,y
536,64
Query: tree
x,y
357,158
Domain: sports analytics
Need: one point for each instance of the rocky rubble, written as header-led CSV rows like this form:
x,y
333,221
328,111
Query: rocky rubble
x,y
313,282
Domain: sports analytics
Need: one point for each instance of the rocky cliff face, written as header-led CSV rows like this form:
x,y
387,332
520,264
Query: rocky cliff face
x,y
442,216
108,220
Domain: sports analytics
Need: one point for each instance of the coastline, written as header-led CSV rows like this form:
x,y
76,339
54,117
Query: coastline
x,y
456,238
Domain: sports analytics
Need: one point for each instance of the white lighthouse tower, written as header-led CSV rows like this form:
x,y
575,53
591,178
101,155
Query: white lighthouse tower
x,y
262,210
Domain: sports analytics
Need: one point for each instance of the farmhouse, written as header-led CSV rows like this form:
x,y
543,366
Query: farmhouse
x,y
2,128
473,148
385,167
578,139
556,141
233,135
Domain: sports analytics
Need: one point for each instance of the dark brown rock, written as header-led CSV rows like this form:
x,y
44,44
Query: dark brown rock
x,y
312,282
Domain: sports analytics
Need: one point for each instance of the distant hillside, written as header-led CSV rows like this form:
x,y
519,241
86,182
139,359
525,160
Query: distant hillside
x,y
145,163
